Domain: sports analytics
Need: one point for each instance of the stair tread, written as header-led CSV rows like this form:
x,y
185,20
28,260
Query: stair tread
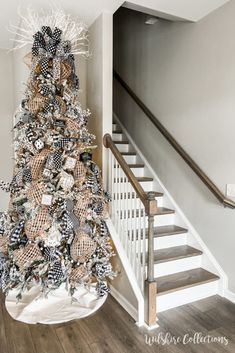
x,y
157,193
141,179
133,195
162,231
164,210
117,132
175,253
128,153
160,211
122,142
183,280
137,165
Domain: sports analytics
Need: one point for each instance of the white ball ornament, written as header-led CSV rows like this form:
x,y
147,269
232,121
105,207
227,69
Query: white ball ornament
x,y
39,144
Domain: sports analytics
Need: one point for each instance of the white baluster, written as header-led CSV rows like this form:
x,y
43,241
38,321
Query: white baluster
x,y
135,217
121,183
131,225
139,275
111,166
125,208
144,251
126,213
115,192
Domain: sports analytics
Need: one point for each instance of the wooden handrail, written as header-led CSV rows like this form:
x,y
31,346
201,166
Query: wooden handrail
x,y
146,198
192,164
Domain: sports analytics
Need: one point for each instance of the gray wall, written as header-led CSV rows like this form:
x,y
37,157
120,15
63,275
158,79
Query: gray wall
x,y
185,73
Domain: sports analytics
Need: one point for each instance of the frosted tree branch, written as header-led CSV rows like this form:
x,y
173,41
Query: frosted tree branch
x,y
74,30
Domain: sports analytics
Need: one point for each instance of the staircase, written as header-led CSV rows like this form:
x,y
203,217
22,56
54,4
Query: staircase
x,y
183,272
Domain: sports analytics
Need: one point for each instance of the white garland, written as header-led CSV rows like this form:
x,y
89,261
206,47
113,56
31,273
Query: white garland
x,y
74,30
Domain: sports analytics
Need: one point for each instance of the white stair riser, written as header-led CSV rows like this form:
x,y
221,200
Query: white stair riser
x,y
122,147
118,137
162,220
180,265
128,204
185,296
169,241
146,185
165,242
134,203
115,127
138,172
130,159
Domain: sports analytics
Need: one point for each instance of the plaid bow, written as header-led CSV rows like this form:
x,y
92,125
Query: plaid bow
x,y
46,41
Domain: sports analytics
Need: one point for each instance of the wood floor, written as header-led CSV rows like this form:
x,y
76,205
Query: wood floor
x,y
112,330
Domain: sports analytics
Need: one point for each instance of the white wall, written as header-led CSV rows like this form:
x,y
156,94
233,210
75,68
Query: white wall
x,y
99,101
20,74
6,113
185,74
99,83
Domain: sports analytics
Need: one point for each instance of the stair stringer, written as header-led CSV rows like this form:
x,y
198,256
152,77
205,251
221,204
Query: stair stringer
x,y
209,262
139,314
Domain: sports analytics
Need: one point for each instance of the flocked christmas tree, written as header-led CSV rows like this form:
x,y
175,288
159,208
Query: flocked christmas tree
x,y
54,231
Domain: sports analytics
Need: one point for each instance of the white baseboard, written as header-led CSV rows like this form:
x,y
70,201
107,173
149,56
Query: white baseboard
x,y
150,328
132,311
229,295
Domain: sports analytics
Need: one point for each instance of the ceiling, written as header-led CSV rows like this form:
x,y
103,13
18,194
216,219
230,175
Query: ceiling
x,y
89,10
189,10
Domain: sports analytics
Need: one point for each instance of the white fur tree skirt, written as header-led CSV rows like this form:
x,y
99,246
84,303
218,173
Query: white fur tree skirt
x,y
58,307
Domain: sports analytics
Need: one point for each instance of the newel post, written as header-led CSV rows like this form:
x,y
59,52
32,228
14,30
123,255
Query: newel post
x,y
150,283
